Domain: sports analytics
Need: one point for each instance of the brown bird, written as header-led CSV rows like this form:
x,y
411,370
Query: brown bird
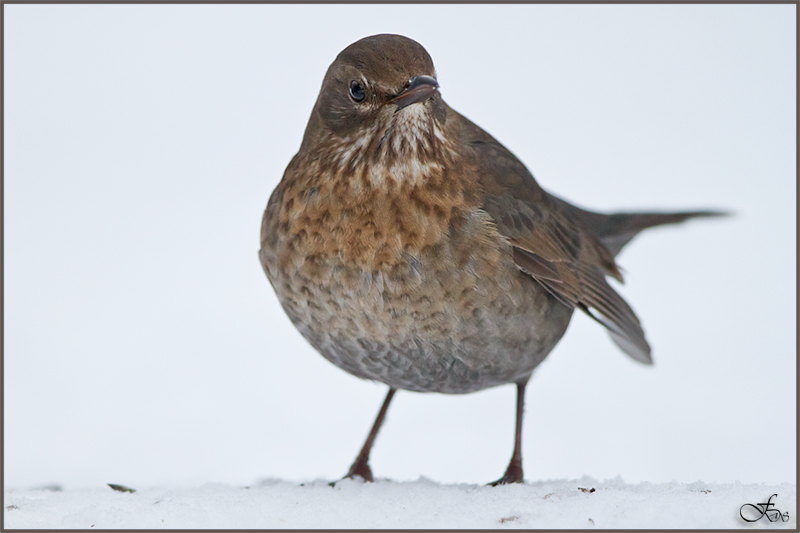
x,y
410,247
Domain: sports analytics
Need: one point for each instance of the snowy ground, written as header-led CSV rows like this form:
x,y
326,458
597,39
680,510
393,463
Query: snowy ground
x,y
387,504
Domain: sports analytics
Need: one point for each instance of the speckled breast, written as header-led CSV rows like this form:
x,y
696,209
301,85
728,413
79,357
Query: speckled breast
x,y
398,293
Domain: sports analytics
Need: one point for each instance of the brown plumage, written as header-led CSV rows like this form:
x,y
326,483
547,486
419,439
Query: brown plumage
x,y
410,247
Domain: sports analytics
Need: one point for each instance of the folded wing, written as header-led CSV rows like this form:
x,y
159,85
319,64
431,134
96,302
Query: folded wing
x,y
551,245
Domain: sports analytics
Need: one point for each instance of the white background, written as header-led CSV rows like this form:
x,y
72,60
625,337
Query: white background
x,y
144,345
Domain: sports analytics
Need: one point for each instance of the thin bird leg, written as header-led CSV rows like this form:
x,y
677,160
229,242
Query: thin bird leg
x,y
360,465
514,471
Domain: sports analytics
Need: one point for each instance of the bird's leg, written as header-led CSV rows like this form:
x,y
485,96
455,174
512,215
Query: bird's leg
x,y
360,466
514,471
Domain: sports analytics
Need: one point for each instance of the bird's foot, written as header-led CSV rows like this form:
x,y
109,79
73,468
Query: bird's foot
x,y
359,469
513,475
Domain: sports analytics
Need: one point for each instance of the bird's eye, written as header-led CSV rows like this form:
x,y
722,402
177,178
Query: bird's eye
x,y
357,91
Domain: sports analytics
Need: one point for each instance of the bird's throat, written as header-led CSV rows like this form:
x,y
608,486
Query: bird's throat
x,y
401,150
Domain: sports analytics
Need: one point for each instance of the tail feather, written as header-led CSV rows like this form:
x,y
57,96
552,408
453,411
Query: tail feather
x,y
617,229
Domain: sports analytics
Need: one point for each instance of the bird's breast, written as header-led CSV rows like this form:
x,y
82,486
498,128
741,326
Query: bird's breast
x,y
396,283
371,217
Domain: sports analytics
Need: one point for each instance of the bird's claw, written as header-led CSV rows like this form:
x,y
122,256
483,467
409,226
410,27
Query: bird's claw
x,y
359,469
513,475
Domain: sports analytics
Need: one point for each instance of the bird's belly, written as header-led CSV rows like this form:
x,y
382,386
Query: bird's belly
x,y
451,319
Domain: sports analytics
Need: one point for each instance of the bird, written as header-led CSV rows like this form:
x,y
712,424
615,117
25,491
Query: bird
x,y
411,248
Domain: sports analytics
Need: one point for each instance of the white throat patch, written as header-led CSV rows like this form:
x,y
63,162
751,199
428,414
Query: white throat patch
x,y
403,141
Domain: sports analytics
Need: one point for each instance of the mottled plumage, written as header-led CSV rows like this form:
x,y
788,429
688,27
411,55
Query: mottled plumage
x,y
409,247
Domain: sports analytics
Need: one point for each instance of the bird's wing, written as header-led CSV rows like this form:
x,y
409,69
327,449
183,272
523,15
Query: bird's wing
x,y
555,249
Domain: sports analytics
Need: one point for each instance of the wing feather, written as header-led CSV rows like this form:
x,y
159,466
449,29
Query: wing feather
x,y
552,245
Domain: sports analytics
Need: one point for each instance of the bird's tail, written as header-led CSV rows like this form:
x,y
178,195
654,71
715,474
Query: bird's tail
x,y
617,229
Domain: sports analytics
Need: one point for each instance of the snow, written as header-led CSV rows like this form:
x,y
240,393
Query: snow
x,y
423,503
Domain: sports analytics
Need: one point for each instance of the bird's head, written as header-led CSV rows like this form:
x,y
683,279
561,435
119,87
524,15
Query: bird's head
x,y
381,96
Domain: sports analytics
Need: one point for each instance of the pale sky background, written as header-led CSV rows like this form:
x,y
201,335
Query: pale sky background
x,y
144,345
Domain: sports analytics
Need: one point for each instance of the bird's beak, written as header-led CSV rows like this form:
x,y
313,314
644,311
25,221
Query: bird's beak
x,y
417,89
